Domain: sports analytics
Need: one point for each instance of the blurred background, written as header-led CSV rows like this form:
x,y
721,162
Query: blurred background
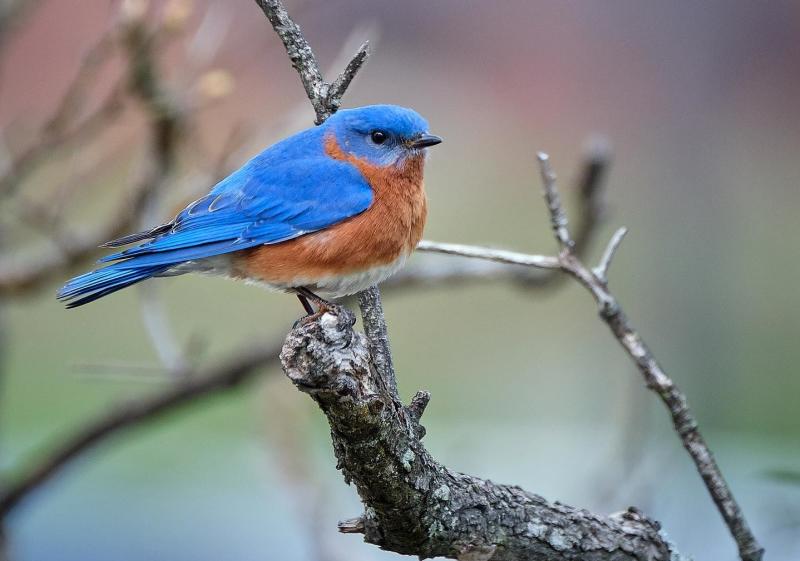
x,y
700,102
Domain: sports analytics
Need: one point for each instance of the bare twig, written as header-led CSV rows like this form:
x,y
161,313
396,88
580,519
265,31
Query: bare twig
x,y
21,166
342,82
60,129
301,55
655,377
488,254
558,218
74,98
239,368
24,273
601,271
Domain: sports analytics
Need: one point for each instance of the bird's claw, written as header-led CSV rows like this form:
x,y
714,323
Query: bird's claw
x,y
323,307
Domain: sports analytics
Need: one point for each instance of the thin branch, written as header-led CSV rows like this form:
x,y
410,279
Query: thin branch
x,y
24,273
558,218
374,321
342,82
601,271
240,367
74,98
488,254
301,55
60,129
20,167
656,379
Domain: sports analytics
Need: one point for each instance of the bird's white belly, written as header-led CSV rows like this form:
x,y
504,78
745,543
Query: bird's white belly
x,y
343,285
336,286
333,286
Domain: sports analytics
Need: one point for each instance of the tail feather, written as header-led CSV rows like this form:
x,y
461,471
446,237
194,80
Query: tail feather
x,y
96,284
139,236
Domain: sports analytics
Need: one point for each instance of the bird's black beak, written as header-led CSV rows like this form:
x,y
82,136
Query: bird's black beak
x,y
425,140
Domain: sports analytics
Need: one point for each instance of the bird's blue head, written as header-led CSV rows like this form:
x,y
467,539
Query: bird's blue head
x,y
381,134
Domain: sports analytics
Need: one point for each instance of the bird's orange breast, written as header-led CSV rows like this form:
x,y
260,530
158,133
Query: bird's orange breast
x,y
389,229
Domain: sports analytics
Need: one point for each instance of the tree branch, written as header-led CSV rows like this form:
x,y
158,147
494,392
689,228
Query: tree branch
x,y
558,218
601,271
301,55
239,368
416,506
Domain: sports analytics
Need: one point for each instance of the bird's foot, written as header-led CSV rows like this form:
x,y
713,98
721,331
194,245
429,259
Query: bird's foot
x,y
307,297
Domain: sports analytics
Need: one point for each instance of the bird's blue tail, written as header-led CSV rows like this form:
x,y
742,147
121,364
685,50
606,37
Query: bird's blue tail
x,y
96,284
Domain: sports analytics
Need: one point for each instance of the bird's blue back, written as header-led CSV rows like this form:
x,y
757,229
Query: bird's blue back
x,y
290,189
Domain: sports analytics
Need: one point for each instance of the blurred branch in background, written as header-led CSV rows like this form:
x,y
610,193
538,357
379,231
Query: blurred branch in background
x,y
63,129
24,272
12,12
239,368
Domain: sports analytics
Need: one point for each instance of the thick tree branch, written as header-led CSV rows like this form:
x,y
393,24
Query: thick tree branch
x,y
239,368
416,506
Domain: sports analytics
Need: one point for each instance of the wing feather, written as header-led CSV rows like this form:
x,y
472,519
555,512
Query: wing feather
x,y
257,206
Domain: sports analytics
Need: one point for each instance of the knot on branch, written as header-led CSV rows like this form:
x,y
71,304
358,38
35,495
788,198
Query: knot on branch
x,y
325,355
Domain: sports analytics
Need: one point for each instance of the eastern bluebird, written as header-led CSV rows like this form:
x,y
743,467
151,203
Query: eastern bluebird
x,y
334,208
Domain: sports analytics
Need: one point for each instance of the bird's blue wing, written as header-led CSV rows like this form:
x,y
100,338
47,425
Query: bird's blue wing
x,y
257,205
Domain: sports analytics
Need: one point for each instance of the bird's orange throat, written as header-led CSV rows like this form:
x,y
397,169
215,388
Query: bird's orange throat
x,y
400,204
377,239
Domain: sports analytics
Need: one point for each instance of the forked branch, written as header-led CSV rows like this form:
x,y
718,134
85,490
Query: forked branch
x,y
596,282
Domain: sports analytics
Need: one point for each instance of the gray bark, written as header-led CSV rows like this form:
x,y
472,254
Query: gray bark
x,y
416,506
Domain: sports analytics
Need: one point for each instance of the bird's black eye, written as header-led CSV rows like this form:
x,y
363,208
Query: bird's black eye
x,y
378,137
